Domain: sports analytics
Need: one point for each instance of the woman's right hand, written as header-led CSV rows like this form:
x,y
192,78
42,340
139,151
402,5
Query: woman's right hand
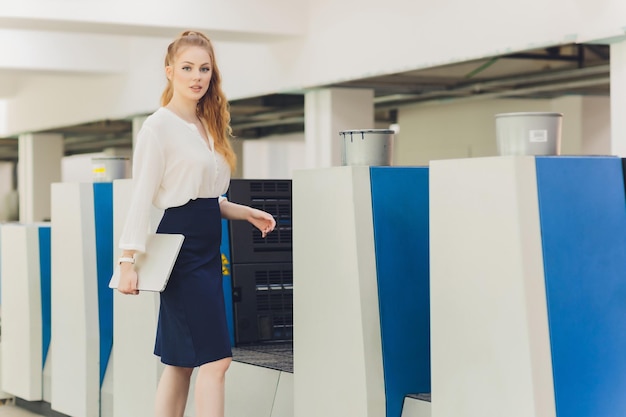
x,y
128,279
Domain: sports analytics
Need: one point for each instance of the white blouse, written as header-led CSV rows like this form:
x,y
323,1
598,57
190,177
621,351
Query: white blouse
x,y
172,164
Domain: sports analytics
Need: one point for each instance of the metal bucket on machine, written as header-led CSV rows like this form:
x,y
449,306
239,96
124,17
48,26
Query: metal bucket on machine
x,y
371,147
529,133
107,169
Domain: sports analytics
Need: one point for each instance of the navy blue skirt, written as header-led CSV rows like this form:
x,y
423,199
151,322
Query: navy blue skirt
x,y
192,327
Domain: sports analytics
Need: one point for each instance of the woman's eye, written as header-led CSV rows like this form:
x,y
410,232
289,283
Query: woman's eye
x,y
187,68
205,69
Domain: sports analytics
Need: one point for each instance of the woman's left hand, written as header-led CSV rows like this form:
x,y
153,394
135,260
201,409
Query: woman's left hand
x,y
262,220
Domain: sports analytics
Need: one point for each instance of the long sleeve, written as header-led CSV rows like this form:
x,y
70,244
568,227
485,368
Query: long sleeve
x,y
148,170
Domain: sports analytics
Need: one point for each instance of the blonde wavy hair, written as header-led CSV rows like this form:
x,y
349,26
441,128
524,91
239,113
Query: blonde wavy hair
x,y
212,109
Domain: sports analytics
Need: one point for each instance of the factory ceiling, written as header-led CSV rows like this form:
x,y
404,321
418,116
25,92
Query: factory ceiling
x,y
576,69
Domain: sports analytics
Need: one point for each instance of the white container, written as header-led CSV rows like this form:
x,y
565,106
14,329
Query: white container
x,y
529,133
372,147
107,169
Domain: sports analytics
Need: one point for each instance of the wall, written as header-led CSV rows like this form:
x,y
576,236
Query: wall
x,y
273,157
3,108
571,107
467,129
597,127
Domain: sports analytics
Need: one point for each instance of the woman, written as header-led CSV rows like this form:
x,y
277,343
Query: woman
x,y
182,163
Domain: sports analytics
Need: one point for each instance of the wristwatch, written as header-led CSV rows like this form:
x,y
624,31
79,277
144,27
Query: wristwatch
x,y
126,259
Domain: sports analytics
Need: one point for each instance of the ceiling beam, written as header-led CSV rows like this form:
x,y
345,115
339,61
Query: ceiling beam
x,y
27,51
223,19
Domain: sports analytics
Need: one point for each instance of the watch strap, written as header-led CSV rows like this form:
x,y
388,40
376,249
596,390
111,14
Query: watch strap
x,y
127,259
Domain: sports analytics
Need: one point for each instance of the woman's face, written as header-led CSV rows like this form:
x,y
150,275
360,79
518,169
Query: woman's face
x,y
190,73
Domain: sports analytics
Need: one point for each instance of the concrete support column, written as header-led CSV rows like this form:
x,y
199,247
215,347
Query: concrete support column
x,y
618,98
39,166
237,145
8,193
329,111
137,123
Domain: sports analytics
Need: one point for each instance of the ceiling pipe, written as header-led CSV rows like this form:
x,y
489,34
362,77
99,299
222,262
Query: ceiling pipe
x,y
509,93
81,145
275,122
503,82
261,117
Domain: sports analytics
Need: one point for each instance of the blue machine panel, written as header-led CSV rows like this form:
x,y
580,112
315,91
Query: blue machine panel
x,y
45,273
400,212
103,207
583,228
227,281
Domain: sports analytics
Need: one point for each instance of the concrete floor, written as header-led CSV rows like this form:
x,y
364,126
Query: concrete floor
x,y
10,410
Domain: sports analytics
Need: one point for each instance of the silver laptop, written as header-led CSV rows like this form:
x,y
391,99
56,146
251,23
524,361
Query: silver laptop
x,y
155,265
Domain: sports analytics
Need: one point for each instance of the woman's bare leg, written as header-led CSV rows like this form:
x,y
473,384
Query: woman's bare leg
x,y
209,391
172,392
